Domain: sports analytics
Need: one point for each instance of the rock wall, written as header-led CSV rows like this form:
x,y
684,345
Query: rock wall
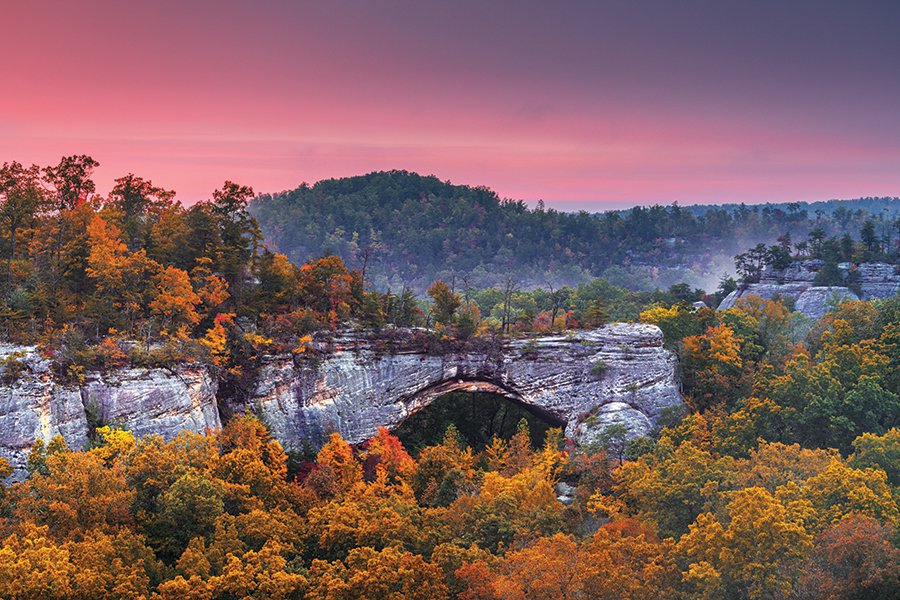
x,y
617,374
873,280
34,405
585,381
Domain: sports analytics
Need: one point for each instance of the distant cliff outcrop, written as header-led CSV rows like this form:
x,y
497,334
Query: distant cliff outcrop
x,y
866,281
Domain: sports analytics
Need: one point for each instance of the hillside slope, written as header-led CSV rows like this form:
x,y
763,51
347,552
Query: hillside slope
x,y
409,229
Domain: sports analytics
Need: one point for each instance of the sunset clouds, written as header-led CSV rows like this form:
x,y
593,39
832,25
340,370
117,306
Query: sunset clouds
x,y
594,102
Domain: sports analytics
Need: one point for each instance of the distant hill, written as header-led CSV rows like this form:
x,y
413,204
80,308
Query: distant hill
x,y
410,229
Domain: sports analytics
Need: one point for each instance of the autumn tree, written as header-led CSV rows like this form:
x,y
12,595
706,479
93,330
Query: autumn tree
x,y
5,471
370,575
444,471
854,558
21,199
754,553
95,565
676,322
336,468
138,203
615,563
119,277
215,340
175,302
839,490
377,514
712,366
519,454
520,507
326,287
386,456
75,492
211,289
279,281
671,485
444,303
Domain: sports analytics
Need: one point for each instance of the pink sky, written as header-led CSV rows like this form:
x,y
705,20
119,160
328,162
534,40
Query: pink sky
x,y
591,104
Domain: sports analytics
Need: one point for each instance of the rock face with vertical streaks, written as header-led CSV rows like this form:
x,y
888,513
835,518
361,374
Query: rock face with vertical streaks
x,y
35,405
585,381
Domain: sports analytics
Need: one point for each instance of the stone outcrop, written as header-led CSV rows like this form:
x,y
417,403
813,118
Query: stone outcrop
x,y
815,301
585,381
871,280
34,405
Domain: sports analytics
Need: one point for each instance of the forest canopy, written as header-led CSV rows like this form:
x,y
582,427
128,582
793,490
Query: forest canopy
x,y
407,230
136,277
780,479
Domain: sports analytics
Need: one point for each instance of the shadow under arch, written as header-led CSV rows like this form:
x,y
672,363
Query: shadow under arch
x,y
462,402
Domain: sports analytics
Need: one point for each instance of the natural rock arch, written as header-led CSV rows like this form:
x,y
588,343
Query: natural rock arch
x,y
424,397
617,374
587,380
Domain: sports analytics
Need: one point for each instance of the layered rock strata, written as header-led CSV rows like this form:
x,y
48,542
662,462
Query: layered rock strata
x,y
585,381
35,405
871,280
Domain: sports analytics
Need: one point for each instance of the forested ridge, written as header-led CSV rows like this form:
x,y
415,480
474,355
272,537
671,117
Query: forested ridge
x,y
135,277
409,229
779,480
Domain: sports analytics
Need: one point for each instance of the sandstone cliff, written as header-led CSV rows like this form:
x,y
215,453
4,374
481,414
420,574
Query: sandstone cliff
x,y
585,381
872,280
35,405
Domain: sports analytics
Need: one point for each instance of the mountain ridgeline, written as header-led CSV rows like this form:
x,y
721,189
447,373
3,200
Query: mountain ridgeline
x,y
406,229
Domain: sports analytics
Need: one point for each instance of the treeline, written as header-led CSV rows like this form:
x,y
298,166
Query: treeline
x,y
136,277
404,229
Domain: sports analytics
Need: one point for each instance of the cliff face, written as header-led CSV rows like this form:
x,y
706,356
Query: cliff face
x,y
617,374
873,280
584,382
34,405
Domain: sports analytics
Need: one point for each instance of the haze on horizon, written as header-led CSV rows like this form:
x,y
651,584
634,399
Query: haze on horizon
x,y
593,104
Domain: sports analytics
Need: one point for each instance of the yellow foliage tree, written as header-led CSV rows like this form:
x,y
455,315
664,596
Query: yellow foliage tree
x,y
755,552
175,302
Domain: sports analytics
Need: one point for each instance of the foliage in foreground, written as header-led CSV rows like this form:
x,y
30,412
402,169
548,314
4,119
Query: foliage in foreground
x,y
218,516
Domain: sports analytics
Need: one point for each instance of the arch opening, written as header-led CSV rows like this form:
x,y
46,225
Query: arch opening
x,y
479,410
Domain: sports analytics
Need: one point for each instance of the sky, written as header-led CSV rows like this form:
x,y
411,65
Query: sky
x,y
596,104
